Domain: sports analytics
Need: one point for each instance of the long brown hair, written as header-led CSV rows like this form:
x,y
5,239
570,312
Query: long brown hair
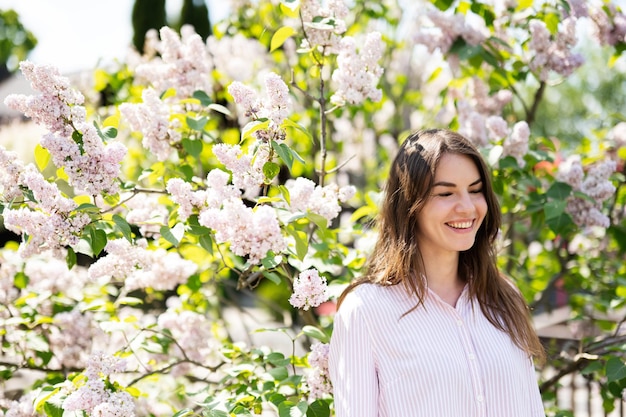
x,y
396,258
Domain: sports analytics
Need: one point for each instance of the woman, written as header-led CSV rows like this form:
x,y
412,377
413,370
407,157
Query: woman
x,y
433,329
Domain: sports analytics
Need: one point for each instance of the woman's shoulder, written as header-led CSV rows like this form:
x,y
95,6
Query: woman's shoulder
x,y
373,298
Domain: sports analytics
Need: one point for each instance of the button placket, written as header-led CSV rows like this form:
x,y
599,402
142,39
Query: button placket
x,y
471,362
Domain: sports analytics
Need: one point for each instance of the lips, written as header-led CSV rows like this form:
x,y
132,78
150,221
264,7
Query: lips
x,y
461,225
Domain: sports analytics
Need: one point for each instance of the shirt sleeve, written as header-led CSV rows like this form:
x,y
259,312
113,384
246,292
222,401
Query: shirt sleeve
x,y
535,394
352,367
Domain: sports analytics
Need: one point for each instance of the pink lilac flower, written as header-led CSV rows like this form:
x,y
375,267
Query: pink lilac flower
x,y
595,184
140,267
91,166
357,74
53,106
446,28
497,128
557,55
516,145
238,57
187,199
323,25
246,169
71,338
94,398
51,223
192,332
317,377
184,64
274,106
309,290
250,232
146,211
305,195
10,175
609,29
152,119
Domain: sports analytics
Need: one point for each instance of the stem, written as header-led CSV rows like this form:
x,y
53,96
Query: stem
x,y
530,114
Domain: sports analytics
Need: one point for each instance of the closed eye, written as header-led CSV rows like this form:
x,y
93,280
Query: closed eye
x,y
478,191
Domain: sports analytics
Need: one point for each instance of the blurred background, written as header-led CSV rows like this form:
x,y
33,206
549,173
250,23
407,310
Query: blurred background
x,y
76,35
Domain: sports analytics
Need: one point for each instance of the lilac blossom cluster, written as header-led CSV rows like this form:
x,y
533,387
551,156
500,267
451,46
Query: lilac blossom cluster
x,y
49,222
246,169
152,119
192,332
439,30
516,143
251,233
95,397
595,184
273,107
182,63
72,337
305,195
309,290
553,55
147,212
10,175
218,189
323,24
610,29
140,267
317,377
357,73
92,166
474,112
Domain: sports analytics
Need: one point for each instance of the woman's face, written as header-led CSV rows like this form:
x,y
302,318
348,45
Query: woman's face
x,y
455,209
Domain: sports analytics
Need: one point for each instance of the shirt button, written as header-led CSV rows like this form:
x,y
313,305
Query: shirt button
x,y
459,323
472,356
479,398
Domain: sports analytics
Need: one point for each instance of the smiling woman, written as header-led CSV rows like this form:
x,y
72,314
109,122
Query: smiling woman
x,y
409,328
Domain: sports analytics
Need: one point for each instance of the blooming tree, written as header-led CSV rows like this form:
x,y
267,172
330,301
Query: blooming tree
x,y
250,165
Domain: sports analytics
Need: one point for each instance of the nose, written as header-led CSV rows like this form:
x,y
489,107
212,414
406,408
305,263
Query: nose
x,y
464,203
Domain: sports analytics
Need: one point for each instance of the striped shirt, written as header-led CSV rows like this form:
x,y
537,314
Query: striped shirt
x,y
437,361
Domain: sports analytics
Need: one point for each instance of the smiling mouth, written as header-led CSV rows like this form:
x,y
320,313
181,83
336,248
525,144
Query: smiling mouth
x,y
461,225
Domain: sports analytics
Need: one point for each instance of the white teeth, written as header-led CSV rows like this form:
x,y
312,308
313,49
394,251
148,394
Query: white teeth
x,y
461,225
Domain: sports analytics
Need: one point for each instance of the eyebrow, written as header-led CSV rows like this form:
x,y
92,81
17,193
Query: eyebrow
x,y
449,184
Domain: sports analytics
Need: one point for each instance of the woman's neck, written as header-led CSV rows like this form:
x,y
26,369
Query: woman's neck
x,y
443,278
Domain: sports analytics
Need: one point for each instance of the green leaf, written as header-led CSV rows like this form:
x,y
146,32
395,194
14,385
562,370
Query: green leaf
x,y
279,373
42,157
193,147
204,98
70,258
443,5
554,208
219,108
173,235
284,153
270,171
184,412
124,227
559,191
272,276
615,369
88,207
20,280
98,239
53,410
252,127
318,408
315,333
302,243
289,409
562,224
197,124
280,36
207,243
